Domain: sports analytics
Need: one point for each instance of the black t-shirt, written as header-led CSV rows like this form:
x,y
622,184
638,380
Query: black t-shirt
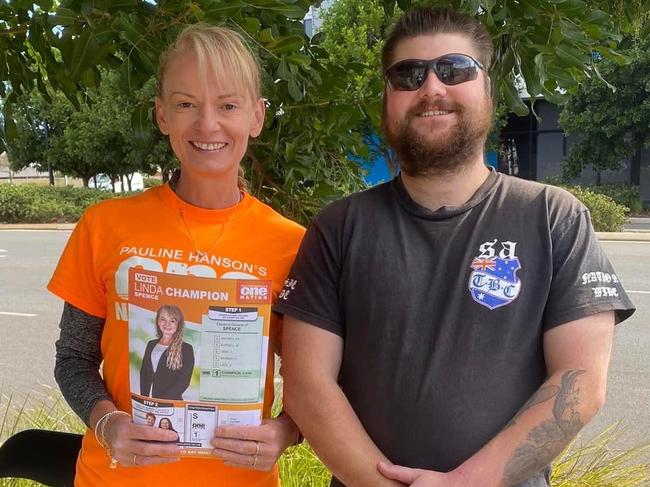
x,y
442,313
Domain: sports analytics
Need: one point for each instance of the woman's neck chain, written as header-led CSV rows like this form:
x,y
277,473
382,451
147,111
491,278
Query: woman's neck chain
x,y
201,253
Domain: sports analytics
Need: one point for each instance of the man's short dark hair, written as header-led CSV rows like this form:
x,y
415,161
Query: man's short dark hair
x,y
424,21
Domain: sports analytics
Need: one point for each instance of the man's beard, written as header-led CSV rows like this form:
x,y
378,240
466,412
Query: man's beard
x,y
422,155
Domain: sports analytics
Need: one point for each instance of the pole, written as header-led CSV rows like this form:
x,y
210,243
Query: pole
x,y
50,172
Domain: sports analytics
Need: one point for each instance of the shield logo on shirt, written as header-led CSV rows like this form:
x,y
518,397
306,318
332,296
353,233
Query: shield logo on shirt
x,y
494,282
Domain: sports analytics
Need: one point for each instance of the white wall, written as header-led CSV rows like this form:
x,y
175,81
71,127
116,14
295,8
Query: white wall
x,y
313,20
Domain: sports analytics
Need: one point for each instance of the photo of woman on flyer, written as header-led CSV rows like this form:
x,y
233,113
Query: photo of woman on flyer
x,y
168,361
166,424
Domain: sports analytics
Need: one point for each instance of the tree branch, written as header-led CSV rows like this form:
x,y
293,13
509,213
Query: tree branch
x,y
14,30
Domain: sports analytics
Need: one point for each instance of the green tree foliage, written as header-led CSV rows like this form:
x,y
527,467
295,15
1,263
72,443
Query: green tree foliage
x,y
353,33
613,122
551,55
312,125
546,44
95,139
298,163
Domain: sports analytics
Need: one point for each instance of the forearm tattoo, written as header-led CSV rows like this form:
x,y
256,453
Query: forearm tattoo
x,y
543,394
546,440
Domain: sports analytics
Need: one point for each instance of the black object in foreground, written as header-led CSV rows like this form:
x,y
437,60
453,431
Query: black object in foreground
x,y
49,457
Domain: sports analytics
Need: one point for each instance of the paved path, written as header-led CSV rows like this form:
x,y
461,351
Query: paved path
x,y
638,224
28,313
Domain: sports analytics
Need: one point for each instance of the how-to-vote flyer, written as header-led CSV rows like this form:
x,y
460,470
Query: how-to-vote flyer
x,y
198,352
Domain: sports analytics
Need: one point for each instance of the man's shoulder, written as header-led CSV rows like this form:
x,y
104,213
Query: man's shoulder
x,y
520,191
536,202
355,205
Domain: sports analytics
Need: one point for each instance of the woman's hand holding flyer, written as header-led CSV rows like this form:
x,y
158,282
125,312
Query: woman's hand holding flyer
x,y
134,445
256,447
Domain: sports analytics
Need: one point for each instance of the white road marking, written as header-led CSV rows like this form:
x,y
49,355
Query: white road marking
x,y
638,292
642,242
36,230
9,313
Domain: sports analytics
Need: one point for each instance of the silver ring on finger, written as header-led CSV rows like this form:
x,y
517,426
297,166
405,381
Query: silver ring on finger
x,y
257,452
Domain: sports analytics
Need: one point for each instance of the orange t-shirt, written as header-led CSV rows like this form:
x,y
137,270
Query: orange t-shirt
x,y
158,231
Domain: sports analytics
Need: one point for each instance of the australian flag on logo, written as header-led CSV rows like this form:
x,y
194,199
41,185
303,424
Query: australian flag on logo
x,y
494,282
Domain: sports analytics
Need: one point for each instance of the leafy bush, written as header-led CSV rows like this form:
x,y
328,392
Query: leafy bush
x,y
606,214
33,203
623,194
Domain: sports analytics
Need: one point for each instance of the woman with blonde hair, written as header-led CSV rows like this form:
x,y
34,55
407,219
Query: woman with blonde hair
x,y
209,105
168,361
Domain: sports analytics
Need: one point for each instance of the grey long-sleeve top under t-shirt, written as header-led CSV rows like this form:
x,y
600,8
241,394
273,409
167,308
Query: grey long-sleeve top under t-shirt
x,y
78,359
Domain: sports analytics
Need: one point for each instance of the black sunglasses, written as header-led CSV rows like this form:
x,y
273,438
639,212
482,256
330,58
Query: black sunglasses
x,y
451,69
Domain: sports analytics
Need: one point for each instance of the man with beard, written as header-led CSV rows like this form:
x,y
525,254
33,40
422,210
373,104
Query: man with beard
x,y
452,327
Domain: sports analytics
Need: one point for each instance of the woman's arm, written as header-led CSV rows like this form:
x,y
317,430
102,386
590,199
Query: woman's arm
x,y
78,358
